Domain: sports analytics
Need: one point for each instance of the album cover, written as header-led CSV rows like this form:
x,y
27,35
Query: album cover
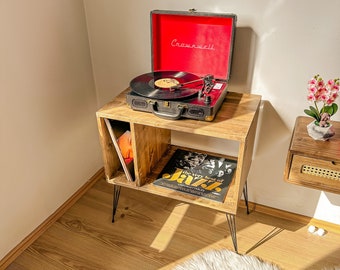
x,y
123,149
125,146
198,174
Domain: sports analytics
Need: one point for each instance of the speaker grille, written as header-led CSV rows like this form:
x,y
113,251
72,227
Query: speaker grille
x,y
139,103
196,112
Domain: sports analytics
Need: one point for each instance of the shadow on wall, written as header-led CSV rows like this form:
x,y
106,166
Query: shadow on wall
x,y
333,198
266,181
242,69
328,207
272,130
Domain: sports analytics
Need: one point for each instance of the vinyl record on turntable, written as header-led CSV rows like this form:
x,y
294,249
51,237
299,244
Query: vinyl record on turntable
x,y
167,85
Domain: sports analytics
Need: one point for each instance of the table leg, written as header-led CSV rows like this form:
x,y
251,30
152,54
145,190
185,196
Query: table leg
x,y
232,219
232,227
245,195
116,193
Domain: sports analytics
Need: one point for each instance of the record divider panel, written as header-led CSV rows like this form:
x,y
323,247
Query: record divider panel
x,y
151,144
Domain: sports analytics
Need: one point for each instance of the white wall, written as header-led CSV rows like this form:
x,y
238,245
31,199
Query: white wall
x,y
279,46
48,135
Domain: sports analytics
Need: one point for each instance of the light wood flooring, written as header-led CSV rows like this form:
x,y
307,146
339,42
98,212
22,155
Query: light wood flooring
x,y
154,232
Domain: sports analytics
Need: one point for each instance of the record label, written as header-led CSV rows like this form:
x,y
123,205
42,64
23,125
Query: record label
x,y
167,85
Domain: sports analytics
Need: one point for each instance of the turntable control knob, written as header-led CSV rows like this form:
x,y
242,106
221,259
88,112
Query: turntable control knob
x,y
207,99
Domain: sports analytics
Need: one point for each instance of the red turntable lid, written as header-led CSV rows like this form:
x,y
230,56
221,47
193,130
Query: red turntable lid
x,y
195,42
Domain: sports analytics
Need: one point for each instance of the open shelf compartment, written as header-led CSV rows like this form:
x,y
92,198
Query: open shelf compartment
x,y
152,151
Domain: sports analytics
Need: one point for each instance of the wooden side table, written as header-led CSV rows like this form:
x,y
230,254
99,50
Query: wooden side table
x,y
151,144
312,163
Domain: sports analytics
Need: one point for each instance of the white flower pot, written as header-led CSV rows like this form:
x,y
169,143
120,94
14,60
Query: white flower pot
x,y
320,133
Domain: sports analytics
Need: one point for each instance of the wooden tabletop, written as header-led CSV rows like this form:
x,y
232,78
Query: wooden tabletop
x,y
232,121
302,143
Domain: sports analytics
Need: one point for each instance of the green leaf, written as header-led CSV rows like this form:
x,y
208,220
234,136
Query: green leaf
x,y
331,110
335,108
311,114
327,109
315,111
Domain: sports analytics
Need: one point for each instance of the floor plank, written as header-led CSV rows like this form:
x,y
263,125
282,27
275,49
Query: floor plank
x,y
152,232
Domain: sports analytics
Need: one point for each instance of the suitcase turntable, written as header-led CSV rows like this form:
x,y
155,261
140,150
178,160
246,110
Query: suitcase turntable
x,y
192,55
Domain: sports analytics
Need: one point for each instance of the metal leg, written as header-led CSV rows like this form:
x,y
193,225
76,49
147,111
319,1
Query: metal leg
x,y
116,193
245,195
232,227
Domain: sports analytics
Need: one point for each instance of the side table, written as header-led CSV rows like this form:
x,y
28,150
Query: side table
x,y
152,147
313,163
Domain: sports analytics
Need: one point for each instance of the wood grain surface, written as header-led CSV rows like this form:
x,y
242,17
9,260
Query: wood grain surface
x,y
153,232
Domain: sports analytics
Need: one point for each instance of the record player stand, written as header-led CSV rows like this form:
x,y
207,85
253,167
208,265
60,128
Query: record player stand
x,y
151,144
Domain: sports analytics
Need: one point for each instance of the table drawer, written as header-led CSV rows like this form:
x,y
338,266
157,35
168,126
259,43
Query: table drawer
x,y
315,173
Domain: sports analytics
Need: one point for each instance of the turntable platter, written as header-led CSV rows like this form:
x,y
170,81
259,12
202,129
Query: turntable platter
x,y
167,85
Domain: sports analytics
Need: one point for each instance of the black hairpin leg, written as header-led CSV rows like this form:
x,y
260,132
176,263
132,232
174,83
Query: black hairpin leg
x,y
245,195
232,227
116,193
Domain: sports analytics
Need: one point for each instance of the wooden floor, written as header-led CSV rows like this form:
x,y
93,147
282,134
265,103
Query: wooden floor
x,y
153,232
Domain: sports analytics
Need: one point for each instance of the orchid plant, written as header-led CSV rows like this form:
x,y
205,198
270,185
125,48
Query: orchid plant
x,y
325,94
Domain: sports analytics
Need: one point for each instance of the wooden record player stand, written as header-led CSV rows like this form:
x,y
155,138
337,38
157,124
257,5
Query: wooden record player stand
x,y
151,144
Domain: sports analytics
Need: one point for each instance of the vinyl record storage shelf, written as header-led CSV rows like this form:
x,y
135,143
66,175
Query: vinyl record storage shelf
x,y
151,144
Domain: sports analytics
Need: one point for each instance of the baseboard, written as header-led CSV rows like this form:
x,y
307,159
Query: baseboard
x,y
331,227
15,252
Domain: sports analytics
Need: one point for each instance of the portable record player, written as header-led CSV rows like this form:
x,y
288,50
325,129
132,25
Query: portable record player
x,y
191,62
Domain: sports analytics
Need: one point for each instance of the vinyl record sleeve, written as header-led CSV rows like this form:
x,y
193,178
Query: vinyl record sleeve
x,y
198,174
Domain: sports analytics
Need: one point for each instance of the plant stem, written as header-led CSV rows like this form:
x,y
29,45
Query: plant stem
x,y
317,109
